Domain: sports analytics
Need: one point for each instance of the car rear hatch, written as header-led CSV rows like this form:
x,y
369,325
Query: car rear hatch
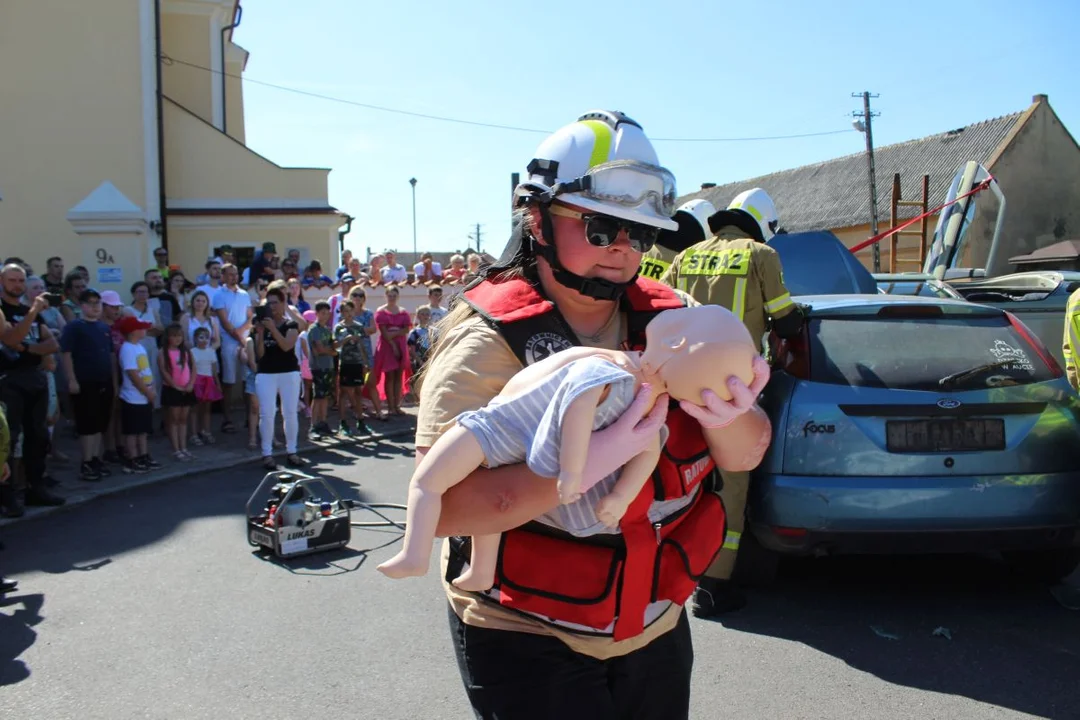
x,y
929,388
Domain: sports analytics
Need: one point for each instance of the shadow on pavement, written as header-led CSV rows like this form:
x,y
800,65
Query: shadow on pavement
x,y
1011,644
89,536
17,634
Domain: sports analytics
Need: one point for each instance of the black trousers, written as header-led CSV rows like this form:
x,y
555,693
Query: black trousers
x,y
520,676
26,395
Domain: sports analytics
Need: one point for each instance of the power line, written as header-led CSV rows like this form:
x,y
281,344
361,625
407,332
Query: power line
x,y
167,60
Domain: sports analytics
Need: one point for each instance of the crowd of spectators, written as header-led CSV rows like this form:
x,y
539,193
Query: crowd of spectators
x,y
182,352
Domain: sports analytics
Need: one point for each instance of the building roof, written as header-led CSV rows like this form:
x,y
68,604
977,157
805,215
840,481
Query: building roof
x,y
835,193
1064,250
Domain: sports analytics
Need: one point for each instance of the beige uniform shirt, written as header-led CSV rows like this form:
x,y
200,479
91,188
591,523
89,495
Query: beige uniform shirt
x,y
737,273
470,368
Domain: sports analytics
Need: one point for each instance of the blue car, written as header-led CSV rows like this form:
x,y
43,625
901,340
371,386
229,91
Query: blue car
x,y
918,424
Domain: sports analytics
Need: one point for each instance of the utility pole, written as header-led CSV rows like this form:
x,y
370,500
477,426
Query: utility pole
x,y
476,237
862,123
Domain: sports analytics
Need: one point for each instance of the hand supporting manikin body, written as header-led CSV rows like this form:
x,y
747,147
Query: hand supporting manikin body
x,y
575,392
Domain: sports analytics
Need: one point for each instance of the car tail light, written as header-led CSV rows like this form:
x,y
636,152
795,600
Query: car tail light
x,y
1036,344
796,358
790,532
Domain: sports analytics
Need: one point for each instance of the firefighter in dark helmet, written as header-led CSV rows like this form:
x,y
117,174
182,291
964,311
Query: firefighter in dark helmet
x,y
736,269
693,220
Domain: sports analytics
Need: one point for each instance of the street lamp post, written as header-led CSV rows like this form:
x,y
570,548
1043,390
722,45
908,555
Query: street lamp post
x,y
412,181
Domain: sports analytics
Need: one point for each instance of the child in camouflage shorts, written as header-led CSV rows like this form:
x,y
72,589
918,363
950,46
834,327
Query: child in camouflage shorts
x,y
321,342
353,364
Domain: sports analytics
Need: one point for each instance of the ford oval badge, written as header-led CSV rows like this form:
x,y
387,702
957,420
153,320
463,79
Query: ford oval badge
x,y
948,404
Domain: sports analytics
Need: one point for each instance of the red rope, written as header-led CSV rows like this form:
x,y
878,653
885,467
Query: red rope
x,y
881,236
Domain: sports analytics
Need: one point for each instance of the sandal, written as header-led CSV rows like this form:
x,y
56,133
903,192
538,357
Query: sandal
x,y
195,440
252,445
207,437
228,427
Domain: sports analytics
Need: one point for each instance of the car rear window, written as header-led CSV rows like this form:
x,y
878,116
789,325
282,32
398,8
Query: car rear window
x,y
915,353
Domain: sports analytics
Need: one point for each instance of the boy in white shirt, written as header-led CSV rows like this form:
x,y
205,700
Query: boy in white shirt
x,y
136,395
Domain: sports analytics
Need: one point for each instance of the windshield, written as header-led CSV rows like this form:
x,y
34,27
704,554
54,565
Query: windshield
x,y
915,353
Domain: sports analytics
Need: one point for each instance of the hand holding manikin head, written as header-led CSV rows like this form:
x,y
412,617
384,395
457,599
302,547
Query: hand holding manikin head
x,y
695,349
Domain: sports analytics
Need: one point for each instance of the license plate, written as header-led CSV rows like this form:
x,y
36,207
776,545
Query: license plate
x,y
950,435
262,539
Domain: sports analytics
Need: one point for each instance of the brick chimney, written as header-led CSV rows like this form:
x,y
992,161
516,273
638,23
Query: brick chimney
x,y
1040,98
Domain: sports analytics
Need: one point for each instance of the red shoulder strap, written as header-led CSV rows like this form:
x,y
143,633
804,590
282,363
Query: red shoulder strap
x,y
649,295
507,301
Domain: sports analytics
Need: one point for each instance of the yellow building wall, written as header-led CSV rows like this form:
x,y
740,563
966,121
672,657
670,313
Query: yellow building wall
x,y
187,37
70,118
201,162
234,92
1039,173
190,247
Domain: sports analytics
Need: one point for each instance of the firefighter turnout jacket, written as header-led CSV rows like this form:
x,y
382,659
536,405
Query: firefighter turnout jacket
x,y
1071,338
735,271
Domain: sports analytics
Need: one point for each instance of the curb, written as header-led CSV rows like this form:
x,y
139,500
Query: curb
x,y
182,471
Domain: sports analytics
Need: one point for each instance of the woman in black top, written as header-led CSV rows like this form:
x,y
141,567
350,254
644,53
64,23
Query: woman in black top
x,y
278,375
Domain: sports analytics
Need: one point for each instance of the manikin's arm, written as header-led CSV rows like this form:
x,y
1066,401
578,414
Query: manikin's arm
x,y
451,459
577,427
633,477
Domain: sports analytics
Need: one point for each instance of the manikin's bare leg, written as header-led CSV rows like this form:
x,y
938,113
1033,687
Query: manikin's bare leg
x,y
480,575
449,461
611,507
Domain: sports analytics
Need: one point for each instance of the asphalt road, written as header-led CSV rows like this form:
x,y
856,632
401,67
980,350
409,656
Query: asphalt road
x,y
150,604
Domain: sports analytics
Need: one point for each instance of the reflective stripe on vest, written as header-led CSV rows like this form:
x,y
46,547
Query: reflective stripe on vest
x,y
731,540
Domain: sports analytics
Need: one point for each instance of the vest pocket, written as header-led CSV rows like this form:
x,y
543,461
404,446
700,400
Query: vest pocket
x,y
559,579
688,548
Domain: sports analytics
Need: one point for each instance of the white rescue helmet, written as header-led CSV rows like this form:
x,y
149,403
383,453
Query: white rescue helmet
x,y
602,162
701,210
758,203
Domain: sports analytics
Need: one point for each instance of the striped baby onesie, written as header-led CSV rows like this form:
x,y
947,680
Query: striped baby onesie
x,y
527,428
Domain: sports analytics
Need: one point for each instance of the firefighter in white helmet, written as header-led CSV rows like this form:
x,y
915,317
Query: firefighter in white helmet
x,y
736,269
594,200
693,219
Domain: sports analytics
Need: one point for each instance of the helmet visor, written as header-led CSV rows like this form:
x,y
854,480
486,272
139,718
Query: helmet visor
x,y
631,185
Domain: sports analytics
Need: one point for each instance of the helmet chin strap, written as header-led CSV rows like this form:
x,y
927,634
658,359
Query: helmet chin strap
x,y
596,288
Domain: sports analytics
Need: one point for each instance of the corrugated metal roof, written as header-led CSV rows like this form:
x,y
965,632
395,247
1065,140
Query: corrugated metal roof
x,y
835,194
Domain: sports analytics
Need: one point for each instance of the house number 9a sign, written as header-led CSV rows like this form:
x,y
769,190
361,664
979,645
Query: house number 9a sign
x,y
103,257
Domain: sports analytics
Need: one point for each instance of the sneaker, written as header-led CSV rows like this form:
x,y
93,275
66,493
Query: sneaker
x,y
89,473
134,466
150,462
345,430
716,597
362,428
114,457
100,466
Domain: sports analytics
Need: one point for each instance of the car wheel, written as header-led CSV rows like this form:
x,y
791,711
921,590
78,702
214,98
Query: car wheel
x,y
755,564
1044,565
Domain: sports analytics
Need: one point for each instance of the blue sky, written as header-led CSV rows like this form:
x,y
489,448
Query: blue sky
x,y
695,70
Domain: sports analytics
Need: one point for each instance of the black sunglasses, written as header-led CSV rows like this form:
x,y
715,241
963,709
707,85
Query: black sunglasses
x,y
603,230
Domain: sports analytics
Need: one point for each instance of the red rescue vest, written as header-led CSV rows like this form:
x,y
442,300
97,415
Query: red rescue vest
x,y
596,581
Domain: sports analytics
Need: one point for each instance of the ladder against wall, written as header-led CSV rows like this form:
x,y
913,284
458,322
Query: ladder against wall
x,y
912,258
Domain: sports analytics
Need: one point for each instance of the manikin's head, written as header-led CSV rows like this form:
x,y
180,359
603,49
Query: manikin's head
x,y
698,348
